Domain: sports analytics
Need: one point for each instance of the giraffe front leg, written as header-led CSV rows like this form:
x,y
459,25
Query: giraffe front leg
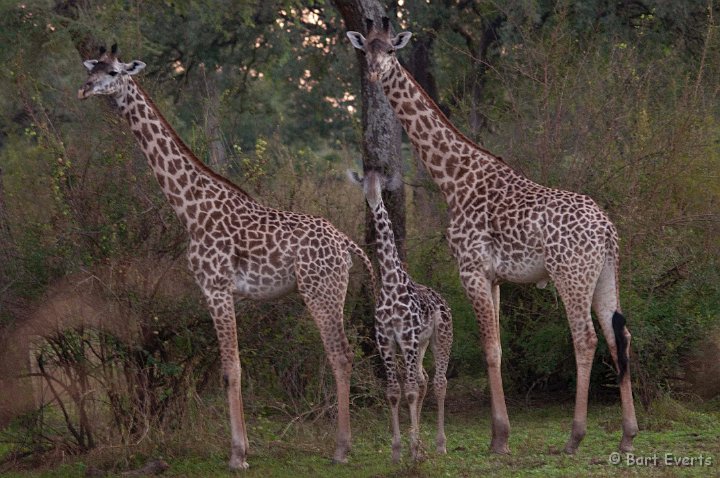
x,y
412,395
223,313
478,289
393,397
385,340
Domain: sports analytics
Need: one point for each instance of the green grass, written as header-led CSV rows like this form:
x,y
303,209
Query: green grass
x,y
537,438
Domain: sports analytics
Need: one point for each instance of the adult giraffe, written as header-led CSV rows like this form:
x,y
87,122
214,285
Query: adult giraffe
x,y
238,245
504,227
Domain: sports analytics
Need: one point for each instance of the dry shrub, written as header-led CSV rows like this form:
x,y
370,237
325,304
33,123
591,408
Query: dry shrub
x,y
105,356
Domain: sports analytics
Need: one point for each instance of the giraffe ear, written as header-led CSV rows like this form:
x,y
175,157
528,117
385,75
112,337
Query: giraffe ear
x,y
90,64
134,68
354,177
401,39
357,40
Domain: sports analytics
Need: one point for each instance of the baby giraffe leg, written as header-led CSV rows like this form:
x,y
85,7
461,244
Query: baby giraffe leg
x,y
441,345
412,394
386,345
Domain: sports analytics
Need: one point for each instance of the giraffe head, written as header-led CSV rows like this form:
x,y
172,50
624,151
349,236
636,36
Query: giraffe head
x,y
373,184
379,47
108,75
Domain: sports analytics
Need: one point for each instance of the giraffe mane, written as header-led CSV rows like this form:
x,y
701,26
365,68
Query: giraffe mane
x,y
446,122
184,149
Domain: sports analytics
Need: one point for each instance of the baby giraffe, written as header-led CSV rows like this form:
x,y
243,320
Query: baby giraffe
x,y
412,316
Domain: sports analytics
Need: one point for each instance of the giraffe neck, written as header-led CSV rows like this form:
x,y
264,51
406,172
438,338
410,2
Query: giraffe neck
x,y
391,268
183,178
450,157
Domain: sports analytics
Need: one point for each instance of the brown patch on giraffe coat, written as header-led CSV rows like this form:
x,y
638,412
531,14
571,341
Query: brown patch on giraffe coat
x,y
162,144
145,130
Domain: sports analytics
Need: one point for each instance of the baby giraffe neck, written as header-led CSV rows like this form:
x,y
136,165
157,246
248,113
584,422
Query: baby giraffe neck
x,y
387,254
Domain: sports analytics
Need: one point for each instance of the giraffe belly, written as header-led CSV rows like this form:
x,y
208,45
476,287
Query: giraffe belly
x,y
528,269
250,284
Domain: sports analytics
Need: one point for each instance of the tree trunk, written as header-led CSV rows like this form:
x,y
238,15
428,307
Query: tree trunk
x,y
382,139
218,155
382,132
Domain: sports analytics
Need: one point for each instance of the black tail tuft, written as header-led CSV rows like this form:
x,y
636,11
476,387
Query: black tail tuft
x,y
618,324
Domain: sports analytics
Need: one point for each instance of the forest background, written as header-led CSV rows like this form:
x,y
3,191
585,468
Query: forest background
x,y
614,99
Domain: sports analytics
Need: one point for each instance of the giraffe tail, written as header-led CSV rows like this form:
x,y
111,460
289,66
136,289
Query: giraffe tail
x,y
357,250
618,324
618,320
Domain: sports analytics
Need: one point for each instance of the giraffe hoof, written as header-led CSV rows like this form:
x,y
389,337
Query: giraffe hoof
x,y
238,465
626,445
500,448
417,457
340,461
396,451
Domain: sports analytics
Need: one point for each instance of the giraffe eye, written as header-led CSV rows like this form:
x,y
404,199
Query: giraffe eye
x,y
113,73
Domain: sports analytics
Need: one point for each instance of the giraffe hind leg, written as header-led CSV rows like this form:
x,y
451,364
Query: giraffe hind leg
x,y
576,296
322,283
479,290
441,345
423,379
606,307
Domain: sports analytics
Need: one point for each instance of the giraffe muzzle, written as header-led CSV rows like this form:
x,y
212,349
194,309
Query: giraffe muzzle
x,y
84,92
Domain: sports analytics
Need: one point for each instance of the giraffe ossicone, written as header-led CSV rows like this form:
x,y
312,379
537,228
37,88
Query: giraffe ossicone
x,y
238,246
503,227
410,316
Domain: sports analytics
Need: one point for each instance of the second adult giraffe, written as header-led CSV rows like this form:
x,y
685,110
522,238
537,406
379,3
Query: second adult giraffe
x,y
505,227
238,245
